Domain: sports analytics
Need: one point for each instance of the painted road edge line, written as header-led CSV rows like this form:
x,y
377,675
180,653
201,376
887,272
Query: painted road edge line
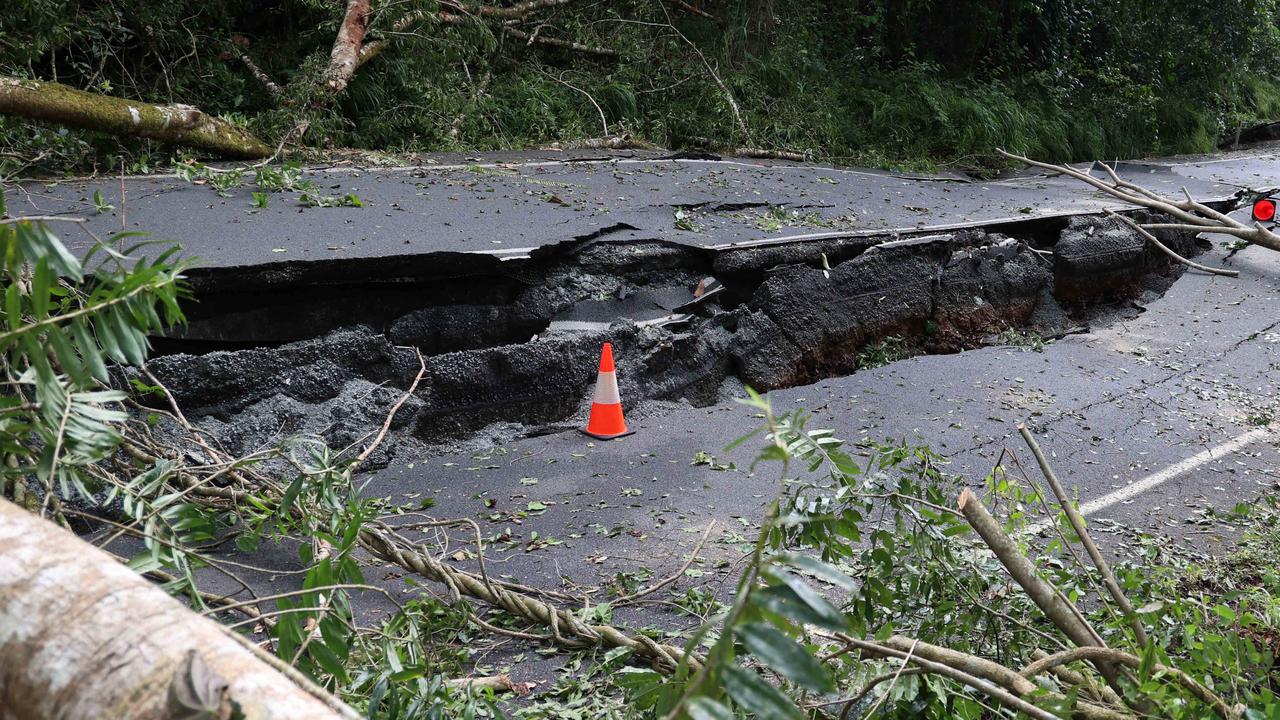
x,y
1161,477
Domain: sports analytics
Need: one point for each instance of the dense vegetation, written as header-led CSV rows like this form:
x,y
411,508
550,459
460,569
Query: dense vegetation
x,y
862,591
886,82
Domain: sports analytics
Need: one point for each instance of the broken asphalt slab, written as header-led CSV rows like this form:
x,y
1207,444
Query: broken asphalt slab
x,y
510,206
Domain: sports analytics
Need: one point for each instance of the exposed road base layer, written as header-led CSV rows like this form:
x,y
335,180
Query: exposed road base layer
x,y
511,349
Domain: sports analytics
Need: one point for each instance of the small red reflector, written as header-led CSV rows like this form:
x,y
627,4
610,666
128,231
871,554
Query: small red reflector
x,y
1264,210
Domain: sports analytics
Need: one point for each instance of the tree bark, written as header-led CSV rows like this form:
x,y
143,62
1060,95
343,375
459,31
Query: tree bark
x,y
84,637
345,57
173,123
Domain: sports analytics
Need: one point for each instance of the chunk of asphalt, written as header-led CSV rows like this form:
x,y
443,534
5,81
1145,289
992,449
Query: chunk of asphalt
x,y
1102,258
501,367
449,328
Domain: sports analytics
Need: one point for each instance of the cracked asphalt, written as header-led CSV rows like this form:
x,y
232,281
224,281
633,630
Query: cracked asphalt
x,y
1159,383
1174,394
509,205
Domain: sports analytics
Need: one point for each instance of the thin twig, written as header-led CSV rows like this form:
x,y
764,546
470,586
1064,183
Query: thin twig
x,y
670,578
1077,524
1167,251
43,218
1120,657
894,681
386,424
715,76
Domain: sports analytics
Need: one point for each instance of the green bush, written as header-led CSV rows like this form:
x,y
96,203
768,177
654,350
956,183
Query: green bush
x,y
886,82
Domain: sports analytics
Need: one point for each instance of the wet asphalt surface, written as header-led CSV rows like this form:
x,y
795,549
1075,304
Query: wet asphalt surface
x,y
508,205
1188,372
1163,381
1154,392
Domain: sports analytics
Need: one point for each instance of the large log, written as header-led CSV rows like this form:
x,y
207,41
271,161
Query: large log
x,y
82,637
346,47
173,123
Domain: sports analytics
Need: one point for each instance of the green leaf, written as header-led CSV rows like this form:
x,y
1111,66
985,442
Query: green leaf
x,y
750,691
290,495
779,652
107,339
704,708
89,350
40,282
67,357
13,306
816,609
131,341
819,569
643,687
328,659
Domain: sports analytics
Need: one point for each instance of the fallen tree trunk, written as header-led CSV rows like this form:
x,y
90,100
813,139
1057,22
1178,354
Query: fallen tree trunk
x,y
173,123
82,636
346,47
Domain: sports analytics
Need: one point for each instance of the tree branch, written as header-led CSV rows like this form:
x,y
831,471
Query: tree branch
x,y
345,57
179,124
1193,216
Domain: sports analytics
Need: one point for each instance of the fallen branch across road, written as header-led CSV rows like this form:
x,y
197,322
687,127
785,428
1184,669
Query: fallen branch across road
x,y
1189,215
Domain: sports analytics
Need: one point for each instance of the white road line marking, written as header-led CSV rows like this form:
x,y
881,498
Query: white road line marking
x,y
1161,477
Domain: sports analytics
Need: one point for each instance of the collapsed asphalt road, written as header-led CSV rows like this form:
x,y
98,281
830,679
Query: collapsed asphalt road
x,y
1154,397
1153,420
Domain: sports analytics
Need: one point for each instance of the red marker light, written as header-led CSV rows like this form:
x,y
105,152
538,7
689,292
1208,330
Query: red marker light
x,y
1264,210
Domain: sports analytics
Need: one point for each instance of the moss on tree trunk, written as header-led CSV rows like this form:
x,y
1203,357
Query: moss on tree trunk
x,y
174,123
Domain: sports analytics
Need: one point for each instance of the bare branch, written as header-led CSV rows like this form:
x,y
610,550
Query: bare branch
x,y
691,9
345,57
1077,522
1192,216
1120,657
257,72
1167,251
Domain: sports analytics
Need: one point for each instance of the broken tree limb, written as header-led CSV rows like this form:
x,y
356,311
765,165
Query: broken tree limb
x,y
511,12
1191,216
1080,682
692,9
174,123
1120,657
82,636
1167,251
255,70
566,629
1059,612
497,683
374,48
557,42
345,57
1077,524
1023,571
1001,695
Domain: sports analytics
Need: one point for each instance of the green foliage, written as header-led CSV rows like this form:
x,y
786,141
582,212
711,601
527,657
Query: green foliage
x,y
881,82
861,544
59,326
882,352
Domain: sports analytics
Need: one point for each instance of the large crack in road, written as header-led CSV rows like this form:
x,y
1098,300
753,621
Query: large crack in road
x,y
1159,383
512,354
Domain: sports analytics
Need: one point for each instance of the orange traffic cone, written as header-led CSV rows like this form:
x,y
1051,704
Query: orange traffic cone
x,y
605,421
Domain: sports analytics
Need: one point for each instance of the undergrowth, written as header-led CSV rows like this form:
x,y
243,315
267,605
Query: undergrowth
x,y
863,590
927,84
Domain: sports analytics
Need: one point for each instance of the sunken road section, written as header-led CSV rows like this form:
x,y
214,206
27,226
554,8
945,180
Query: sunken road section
x,y
511,347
